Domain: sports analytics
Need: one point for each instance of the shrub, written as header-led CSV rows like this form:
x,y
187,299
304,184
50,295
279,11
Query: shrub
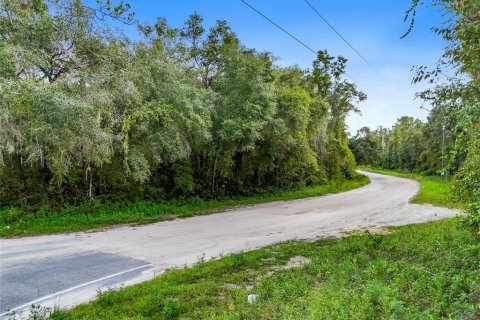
x,y
467,188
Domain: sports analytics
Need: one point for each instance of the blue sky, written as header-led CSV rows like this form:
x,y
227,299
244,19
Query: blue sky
x,y
374,27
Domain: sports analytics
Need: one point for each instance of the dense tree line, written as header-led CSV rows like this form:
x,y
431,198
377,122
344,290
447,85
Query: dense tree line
x,y
410,145
453,124
86,112
460,99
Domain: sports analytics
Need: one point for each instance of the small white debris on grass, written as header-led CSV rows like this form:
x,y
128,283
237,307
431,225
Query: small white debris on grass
x,y
252,298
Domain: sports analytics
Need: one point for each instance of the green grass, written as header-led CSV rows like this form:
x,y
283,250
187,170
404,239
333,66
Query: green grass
x,y
17,222
433,189
424,271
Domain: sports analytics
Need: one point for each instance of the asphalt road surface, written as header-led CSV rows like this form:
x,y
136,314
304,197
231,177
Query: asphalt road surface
x,y
65,270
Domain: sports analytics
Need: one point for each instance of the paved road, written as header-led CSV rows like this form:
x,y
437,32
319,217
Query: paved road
x,y
64,270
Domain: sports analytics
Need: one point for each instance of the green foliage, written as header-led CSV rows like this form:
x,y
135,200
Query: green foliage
x,y
472,220
467,187
467,180
405,144
366,148
87,114
341,96
448,142
439,130
425,271
459,98
402,147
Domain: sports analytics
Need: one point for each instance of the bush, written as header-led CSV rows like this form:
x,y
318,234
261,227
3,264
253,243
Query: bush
x,y
467,188
171,309
11,215
472,219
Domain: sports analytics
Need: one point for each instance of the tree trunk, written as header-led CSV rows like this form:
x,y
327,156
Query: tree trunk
x,y
87,169
90,186
214,173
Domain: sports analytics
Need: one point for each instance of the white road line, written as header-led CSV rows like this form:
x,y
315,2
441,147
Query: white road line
x,y
71,289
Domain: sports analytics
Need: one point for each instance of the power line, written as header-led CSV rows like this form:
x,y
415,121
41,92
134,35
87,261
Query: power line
x,y
338,33
279,27
288,33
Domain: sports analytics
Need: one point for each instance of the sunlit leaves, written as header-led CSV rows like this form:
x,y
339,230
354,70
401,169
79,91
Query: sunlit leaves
x,y
85,111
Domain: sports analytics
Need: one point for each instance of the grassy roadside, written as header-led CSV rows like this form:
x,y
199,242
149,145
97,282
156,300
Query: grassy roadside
x,y
433,189
16,222
424,271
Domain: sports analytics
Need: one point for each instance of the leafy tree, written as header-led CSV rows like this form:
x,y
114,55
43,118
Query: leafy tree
x,y
405,144
242,112
52,116
460,96
87,113
365,148
341,96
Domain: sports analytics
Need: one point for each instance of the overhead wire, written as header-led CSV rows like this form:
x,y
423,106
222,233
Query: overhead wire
x,y
279,27
339,34
285,31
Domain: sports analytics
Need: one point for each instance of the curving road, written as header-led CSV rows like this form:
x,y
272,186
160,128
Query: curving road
x,y
64,270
